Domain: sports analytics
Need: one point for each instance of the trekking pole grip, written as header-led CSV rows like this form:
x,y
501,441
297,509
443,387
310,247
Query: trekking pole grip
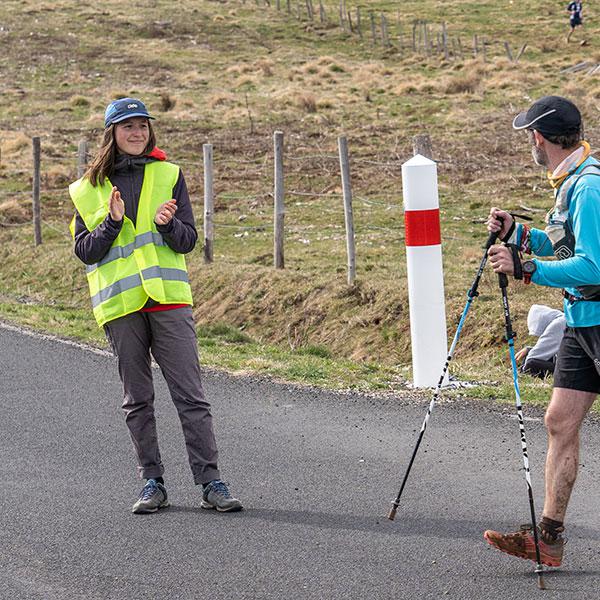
x,y
491,239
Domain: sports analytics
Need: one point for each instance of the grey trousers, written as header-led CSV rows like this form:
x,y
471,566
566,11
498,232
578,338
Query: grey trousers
x,y
171,338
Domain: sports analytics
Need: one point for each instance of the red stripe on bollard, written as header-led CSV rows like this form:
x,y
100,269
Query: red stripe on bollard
x,y
422,227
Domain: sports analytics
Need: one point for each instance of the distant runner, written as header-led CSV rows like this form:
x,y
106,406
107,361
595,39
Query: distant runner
x,y
575,9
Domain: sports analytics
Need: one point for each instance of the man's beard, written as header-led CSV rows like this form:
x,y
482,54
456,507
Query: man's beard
x,y
539,156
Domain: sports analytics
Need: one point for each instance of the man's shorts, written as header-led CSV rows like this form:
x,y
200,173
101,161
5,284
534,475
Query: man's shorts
x,y
578,360
575,21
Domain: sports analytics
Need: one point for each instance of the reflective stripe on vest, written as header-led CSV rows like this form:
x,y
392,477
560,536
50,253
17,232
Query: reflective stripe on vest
x,y
139,264
133,281
151,237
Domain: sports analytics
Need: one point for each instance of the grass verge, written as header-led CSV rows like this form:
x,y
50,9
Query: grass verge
x,y
225,347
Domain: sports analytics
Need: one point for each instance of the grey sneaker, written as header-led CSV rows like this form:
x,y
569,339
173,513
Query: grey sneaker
x,y
152,497
216,495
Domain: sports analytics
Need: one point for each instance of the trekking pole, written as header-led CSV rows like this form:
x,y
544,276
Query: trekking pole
x,y
503,281
471,294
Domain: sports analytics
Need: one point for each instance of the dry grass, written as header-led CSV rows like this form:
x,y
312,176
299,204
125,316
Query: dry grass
x,y
221,99
307,102
13,143
79,101
463,84
14,211
266,66
230,73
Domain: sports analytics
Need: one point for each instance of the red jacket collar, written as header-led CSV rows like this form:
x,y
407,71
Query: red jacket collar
x,y
158,154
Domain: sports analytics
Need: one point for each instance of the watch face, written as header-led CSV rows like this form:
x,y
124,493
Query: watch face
x,y
528,267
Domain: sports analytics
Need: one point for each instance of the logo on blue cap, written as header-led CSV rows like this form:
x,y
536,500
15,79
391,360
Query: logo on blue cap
x,y
124,108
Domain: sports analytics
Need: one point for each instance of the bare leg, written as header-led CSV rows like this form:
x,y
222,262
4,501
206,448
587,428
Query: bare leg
x,y
564,416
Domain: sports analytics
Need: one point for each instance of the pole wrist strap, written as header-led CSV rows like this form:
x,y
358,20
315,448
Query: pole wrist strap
x,y
511,230
516,256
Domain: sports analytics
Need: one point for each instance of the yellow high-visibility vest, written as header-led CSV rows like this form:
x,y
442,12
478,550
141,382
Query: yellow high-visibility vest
x,y
139,264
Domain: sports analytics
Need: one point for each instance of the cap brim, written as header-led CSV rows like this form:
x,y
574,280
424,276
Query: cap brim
x,y
520,121
130,116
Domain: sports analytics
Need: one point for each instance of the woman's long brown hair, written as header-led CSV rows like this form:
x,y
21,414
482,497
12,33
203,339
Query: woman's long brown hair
x,y
104,162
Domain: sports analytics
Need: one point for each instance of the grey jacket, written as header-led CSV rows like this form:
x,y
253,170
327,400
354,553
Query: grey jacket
x,y
548,324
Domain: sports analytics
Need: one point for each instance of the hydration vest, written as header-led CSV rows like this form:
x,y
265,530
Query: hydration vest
x,y
560,232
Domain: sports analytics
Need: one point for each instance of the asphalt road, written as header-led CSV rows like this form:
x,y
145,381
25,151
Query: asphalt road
x,y
316,471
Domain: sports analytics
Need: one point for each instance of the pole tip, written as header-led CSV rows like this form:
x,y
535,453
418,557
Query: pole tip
x,y
541,583
392,513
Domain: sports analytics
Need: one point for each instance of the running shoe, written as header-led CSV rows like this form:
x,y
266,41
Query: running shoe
x,y
521,544
216,495
152,497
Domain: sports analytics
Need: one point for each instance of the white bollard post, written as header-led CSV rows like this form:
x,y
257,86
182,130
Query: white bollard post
x,y
424,271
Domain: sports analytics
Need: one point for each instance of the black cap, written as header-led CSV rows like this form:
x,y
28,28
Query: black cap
x,y
550,115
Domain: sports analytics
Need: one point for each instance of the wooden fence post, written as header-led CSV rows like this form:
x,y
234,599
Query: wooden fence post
x,y
342,19
82,156
445,42
385,40
209,228
520,53
358,24
422,146
373,35
400,40
37,212
309,9
279,210
322,15
508,51
428,42
349,219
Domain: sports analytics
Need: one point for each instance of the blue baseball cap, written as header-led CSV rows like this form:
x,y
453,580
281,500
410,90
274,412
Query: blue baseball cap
x,y
124,108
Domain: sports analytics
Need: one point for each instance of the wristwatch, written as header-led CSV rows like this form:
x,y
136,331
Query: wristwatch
x,y
529,268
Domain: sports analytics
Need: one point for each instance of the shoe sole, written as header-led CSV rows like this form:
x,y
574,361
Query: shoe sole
x,y
546,559
147,511
208,506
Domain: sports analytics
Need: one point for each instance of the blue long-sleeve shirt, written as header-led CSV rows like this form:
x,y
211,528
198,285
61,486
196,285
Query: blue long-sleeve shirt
x,y
584,267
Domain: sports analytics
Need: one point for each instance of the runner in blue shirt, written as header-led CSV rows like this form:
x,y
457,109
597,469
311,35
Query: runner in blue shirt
x,y
575,10
555,131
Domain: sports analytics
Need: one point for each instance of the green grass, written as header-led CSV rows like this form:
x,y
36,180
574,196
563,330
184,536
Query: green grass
x,y
233,73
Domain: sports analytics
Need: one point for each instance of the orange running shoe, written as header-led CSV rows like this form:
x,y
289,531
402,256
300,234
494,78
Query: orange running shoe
x,y
522,544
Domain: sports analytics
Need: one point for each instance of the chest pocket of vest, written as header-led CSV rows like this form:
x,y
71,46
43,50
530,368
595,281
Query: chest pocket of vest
x,y
563,240
558,228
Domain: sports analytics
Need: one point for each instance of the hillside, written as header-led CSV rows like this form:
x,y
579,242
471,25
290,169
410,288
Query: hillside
x,y
230,73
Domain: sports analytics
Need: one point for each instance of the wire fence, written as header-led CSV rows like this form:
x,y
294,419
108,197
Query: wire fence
x,y
342,184
385,27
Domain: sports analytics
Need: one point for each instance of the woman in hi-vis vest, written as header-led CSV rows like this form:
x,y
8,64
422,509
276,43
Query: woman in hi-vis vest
x,y
132,226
